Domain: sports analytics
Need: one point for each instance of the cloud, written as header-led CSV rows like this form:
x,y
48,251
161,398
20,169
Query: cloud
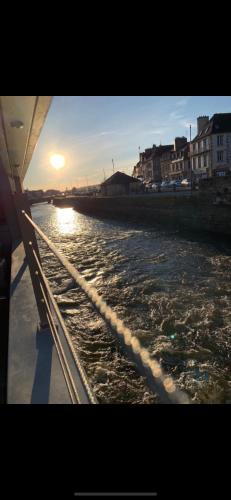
x,y
186,123
156,131
181,102
109,132
174,115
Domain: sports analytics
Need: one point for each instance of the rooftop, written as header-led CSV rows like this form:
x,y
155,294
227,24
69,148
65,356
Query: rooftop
x,y
219,123
119,178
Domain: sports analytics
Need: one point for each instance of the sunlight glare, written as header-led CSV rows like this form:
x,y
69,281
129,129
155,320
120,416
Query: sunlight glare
x,y
57,161
66,220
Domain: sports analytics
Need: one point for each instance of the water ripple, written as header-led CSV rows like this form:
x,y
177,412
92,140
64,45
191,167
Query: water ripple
x,y
173,292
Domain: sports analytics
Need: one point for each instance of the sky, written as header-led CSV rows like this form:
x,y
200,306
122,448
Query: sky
x,y
90,131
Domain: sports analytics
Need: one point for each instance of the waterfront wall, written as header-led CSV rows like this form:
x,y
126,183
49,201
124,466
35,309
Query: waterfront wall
x,y
212,185
194,212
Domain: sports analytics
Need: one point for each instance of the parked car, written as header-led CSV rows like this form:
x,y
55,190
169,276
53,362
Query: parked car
x,y
165,184
148,186
155,186
175,183
185,183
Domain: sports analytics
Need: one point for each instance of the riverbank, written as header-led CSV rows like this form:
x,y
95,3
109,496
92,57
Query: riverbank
x,y
193,211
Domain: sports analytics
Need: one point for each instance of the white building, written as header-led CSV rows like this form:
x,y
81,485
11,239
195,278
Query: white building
x,y
210,150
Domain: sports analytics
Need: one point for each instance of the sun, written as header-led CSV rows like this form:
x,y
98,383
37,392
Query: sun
x,y
57,161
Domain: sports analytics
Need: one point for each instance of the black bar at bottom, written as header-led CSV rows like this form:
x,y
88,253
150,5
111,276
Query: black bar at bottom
x,y
115,494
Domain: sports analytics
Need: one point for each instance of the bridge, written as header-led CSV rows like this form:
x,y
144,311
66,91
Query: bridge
x,y
42,199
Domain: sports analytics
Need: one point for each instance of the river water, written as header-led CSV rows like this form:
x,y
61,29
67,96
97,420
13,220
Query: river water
x,y
173,291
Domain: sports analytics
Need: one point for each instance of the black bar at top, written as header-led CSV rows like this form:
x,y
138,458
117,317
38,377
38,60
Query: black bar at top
x,y
116,494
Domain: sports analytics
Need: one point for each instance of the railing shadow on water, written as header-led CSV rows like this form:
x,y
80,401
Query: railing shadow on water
x,y
42,378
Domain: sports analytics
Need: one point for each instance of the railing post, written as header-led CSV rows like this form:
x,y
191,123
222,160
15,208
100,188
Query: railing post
x,y
30,243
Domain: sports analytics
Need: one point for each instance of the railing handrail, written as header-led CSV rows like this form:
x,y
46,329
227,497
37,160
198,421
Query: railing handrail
x,y
158,382
67,374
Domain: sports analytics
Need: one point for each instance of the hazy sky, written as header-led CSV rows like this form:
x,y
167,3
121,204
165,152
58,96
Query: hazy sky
x,y
91,130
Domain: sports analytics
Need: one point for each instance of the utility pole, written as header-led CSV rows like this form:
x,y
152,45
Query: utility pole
x,y
113,166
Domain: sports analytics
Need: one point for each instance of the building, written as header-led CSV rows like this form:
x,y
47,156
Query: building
x,y
143,169
165,164
146,164
210,150
180,160
52,192
120,184
137,170
157,155
149,165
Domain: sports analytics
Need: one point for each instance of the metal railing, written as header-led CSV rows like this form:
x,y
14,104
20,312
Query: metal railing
x,y
79,388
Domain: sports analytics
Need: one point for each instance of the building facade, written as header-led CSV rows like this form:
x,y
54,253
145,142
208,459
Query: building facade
x,y
211,148
159,152
149,165
137,170
146,160
165,164
208,154
180,160
144,168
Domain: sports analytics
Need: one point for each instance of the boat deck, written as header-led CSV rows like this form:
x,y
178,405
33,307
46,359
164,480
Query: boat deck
x,y
34,371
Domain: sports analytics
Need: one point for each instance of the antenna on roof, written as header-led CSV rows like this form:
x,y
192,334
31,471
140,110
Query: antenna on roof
x,y
113,166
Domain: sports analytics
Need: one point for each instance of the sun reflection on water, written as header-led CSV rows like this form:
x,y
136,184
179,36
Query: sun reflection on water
x,y
66,220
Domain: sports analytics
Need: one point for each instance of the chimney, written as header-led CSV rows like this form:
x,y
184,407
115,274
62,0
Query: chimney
x,y
201,122
180,142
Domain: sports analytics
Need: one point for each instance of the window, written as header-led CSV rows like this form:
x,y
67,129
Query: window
x,y
205,161
204,144
199,162
194,147
220,140
220,156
